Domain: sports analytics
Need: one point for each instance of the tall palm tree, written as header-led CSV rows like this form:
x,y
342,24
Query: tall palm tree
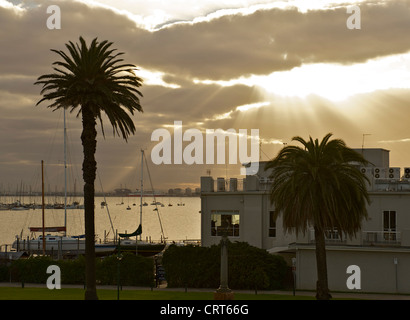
x,y
93,80
319,185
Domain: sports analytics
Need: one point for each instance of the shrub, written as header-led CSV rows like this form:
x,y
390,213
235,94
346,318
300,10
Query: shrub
x,y
248,267
4,273
72,271
191,266
33,269
255,267
134,270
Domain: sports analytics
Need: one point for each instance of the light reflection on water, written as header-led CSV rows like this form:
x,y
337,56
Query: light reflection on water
x,y
178,222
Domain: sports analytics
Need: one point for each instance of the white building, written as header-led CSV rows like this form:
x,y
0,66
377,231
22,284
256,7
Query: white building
x,y
381,249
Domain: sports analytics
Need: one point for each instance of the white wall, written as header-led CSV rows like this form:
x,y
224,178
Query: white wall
x,y
377,268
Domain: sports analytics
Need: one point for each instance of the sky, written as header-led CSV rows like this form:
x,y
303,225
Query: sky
x,y
286,68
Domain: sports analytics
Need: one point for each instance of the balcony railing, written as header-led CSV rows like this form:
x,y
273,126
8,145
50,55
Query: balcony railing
x,y
369,238
331,237
381,237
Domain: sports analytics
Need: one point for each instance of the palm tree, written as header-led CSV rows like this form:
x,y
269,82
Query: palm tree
x,y
93,80
319,186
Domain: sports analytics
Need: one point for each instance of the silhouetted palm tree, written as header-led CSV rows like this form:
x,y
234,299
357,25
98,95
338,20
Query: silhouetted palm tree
x,y
93,80
319,186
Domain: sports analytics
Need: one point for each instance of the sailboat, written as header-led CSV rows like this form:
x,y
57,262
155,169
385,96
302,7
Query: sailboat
x,y
57,243
47,243
138,246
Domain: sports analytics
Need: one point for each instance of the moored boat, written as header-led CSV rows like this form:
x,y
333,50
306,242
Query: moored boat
x,y
138,246
58,244
53,244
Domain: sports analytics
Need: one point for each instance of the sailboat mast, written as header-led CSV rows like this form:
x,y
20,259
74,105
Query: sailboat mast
x,y
142,186
42,206
65,178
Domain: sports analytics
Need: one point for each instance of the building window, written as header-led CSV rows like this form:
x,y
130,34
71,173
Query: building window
x,y
333,235
389,225
227,221
272,224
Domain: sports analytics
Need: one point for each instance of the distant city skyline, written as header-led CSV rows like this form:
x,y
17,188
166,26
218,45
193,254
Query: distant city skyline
x,y
23,190
286,68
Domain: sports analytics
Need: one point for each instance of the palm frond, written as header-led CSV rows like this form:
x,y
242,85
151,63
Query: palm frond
x,y
319,185
94,76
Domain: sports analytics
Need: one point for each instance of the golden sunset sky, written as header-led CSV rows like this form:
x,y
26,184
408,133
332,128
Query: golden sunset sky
x,y
287,68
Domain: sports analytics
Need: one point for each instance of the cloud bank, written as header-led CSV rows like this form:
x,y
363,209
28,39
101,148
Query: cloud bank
x,y
187,55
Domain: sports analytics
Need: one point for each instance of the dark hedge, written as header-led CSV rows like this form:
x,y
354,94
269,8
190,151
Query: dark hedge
x,y
134,270
248,267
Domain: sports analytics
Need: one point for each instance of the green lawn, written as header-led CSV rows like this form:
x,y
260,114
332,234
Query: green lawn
x,y
7,293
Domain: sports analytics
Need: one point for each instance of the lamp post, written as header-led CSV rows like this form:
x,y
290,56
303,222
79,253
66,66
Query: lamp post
x,y
294,274
223,292
119,257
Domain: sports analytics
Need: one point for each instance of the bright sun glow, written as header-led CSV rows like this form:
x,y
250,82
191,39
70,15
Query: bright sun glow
x,y
338,82
335,82
242,108
154,78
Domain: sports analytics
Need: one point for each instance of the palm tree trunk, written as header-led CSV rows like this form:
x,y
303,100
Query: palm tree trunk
x,y
322,290
88,138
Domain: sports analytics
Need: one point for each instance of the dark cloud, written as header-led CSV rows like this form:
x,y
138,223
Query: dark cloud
x,y
223,48
239,45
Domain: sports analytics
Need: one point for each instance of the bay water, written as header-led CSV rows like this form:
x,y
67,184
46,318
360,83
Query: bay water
x,y
179,216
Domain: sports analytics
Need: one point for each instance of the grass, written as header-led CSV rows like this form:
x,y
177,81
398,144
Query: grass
x,y
14,293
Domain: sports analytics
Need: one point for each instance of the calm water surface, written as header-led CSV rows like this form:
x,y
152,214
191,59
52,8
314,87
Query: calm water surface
x,y
178,222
